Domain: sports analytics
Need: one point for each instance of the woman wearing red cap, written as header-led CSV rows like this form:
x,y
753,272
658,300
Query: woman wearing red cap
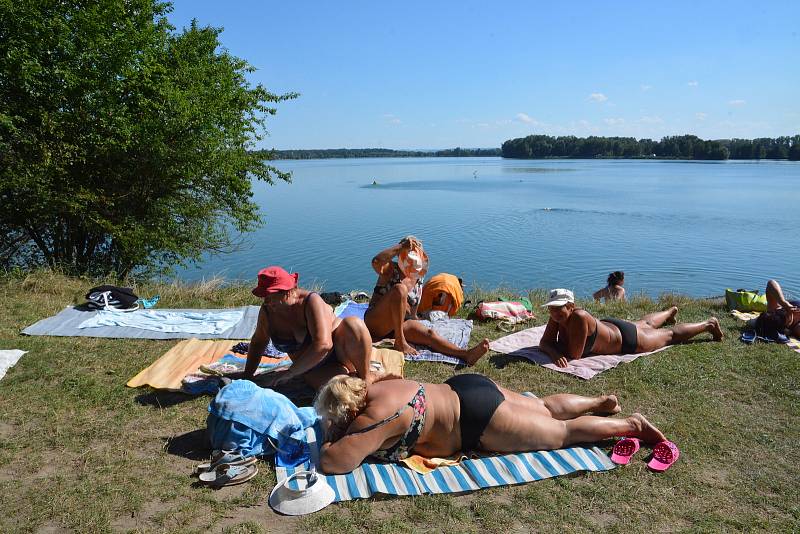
x,y
300,323
393,306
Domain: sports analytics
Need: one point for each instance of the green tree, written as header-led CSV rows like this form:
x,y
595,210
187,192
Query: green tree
x,y
125,145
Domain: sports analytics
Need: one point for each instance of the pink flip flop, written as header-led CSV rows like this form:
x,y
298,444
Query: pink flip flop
x,y
623,450
665,453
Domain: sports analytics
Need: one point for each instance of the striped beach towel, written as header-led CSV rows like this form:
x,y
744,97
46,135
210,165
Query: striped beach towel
x,y
470,475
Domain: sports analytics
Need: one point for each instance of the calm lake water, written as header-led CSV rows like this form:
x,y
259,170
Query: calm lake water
x,y
687,227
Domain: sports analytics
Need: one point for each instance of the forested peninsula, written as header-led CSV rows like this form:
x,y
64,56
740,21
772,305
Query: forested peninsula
x,y
673,147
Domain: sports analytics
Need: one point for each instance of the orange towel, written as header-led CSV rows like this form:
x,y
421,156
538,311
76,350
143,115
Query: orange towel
x,y
442,283
423,465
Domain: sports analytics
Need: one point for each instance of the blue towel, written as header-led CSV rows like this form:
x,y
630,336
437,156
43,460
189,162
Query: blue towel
x,y
243,415
485,472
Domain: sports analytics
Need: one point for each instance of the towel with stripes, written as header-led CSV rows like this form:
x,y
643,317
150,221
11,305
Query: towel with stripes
x,y
470,475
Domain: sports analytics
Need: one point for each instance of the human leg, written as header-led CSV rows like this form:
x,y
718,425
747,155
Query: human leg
x,y
511,430
416,332
658,319
388,315
563,405
651,338
352,345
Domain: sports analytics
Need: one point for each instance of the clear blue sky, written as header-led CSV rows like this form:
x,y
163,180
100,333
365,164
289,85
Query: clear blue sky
x,y
473,74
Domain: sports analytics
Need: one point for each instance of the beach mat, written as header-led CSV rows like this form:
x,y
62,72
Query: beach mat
x,y
184,358
456,331
66,323
525,344
8,359
469,475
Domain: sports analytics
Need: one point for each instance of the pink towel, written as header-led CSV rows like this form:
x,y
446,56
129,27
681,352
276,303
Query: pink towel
x,y
525,344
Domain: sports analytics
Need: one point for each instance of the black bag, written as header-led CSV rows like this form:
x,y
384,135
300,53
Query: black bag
x,y
112,298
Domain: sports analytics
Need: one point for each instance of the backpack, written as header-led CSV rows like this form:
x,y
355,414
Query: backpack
x,y
745,301
112,298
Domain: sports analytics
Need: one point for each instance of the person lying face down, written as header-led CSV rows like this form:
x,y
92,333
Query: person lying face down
x,y
392,419
300,323
573,333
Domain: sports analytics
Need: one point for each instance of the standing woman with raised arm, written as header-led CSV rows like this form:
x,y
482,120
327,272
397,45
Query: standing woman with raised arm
x,y
393,308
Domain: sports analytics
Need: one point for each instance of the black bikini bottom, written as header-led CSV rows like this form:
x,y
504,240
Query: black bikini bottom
x,y
479,397
630,338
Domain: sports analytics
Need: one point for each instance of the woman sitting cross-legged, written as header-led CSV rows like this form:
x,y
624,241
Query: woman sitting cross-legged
x,y
392,311
573,333
392,419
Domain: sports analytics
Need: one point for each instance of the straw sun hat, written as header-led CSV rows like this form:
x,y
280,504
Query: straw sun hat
x,y
302,493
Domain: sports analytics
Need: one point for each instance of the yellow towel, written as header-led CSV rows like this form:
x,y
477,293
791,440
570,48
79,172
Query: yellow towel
x,y
392,360
184,358
423,465
442,283
745,316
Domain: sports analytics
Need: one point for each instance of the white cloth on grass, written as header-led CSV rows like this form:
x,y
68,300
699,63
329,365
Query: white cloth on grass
x,y
8,358
163,321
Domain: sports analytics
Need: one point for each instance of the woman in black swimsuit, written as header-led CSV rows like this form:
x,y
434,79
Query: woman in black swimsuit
x,y
573,333
392,310
301,324
392,419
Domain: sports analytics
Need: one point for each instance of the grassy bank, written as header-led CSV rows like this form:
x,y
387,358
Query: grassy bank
x,y
80,451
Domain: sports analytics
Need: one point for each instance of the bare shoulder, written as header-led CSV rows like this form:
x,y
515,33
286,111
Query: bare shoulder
x,y
579,315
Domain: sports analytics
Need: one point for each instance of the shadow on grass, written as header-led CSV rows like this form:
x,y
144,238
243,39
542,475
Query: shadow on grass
x,y
501,361
192,445
162,399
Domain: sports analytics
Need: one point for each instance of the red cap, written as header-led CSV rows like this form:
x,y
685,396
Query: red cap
x,y
274,279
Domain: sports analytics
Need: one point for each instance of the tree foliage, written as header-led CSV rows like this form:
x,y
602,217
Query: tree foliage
x,y
125,145
678,147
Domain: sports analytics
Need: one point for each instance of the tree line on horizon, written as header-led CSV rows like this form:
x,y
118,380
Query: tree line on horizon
x,y
326,153
671,147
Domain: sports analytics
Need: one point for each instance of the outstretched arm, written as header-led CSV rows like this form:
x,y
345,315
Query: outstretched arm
x,y
600,293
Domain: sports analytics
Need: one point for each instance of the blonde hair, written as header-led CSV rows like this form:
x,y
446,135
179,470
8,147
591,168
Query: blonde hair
x,y
338,402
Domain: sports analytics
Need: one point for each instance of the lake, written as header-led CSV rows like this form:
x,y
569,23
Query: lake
x,y
672,226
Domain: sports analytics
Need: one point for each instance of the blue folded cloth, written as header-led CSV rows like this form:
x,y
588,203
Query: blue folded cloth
x,y
243,415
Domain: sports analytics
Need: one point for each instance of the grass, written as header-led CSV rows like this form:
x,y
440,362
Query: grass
x,y
79,451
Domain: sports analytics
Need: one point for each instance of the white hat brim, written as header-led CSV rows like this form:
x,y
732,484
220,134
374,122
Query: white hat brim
x,y
300,502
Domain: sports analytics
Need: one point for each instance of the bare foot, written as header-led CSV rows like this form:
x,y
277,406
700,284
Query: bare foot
x,y
609,405
673,313
645,430
715,329
475,353
405,348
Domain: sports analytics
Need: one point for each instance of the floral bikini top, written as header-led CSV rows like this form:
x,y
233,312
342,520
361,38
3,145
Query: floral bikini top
x,y
402,449
397,276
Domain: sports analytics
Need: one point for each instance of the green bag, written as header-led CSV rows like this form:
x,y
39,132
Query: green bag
x,y
746,301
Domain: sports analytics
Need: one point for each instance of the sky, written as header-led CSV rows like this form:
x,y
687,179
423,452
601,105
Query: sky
x,y
431,75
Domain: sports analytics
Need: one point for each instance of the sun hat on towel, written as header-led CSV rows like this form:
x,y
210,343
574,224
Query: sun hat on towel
x,y
559,297
313,494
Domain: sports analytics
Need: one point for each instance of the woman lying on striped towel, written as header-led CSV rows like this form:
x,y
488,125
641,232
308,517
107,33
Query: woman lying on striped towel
x,y
468,412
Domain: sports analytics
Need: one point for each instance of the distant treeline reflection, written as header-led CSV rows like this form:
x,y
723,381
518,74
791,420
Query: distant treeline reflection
x,y
678,147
